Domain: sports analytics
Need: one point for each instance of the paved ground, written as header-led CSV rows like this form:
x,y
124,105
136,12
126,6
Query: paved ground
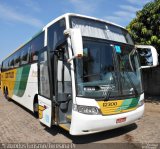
x,y
18,125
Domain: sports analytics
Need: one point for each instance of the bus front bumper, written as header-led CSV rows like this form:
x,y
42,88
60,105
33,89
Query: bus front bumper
x,y
83,124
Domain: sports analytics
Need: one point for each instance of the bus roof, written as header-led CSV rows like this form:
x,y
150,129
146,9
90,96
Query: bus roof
x,y
64,16
83,16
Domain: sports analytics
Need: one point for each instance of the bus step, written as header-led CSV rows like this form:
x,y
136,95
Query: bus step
x,y
69,117
65,126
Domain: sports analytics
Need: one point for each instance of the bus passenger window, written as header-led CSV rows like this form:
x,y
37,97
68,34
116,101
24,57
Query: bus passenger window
x,y
5,66
17,59
34,55
55,34
9,62
36,45
12,63
25,55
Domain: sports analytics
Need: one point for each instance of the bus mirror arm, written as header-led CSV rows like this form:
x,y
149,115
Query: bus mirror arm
x,y
73,57
76,42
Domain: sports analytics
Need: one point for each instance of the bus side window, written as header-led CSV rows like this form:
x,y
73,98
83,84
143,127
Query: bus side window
x,y
12,63
25,55
55,34
5,65
2,67
17,60
9,63
36,45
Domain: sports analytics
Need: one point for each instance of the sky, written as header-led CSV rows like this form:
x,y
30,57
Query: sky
x,y
21,19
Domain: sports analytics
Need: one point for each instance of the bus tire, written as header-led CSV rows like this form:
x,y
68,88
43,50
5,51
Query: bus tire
x,y
35,106
35,110
4,90
6,93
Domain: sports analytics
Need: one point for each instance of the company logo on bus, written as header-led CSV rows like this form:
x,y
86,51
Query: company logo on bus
x,y
109,104
9,75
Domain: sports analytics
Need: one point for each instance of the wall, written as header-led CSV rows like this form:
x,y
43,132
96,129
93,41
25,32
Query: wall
x,y
151,81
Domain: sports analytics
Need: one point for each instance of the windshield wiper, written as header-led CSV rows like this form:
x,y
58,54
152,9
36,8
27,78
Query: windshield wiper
x,y
106,98
130,62
131,82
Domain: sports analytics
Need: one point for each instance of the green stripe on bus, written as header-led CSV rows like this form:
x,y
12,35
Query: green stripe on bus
x,y
128,104
133,103
21,80
17,81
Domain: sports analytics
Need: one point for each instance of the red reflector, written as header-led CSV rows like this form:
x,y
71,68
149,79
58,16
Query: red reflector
x,y
121,120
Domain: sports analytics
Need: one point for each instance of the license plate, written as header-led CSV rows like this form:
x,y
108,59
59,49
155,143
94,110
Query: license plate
x,y
121,120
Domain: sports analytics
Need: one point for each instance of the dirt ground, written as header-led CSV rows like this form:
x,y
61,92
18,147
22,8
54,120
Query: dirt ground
x,y
18,125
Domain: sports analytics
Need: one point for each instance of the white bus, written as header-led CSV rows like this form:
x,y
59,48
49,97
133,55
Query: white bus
x,y
80,73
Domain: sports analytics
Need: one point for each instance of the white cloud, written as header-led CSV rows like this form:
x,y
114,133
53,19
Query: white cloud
x,y
127,12
124,14
8,13
33,5
129,8
83,6
113,19
139,2
119,18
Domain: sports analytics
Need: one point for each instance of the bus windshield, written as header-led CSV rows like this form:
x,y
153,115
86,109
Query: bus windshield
x,y
101,30
107,70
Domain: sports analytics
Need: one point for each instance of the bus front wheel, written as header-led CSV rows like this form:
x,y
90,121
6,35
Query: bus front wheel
x,y
36,110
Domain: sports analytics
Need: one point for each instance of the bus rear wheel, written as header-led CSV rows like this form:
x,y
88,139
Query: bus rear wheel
x,y
6,93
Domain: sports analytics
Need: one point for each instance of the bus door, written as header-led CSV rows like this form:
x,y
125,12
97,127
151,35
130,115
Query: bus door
x,y
63,85
44,93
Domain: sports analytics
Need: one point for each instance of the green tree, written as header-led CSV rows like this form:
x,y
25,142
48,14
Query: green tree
x,y
145,28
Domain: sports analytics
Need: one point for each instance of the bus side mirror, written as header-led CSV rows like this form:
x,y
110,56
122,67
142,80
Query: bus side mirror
x,y
148,56
76,41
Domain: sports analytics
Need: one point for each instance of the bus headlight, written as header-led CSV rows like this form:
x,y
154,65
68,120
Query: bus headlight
x,y
86,109
140,103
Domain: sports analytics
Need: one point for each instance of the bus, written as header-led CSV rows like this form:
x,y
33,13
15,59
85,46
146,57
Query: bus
x,y
80,73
